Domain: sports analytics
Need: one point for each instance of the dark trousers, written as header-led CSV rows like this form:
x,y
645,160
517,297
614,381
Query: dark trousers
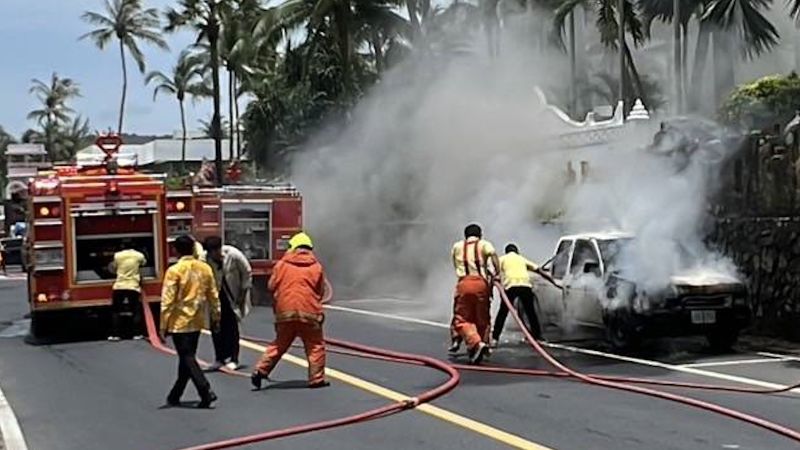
x,y
525,295
126,309
186,347
226,340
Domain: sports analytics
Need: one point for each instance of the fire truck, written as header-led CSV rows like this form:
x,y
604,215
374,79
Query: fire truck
x,y
78,217
259,220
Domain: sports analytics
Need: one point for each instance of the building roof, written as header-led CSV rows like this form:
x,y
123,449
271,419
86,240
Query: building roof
x,y
157,151
25,149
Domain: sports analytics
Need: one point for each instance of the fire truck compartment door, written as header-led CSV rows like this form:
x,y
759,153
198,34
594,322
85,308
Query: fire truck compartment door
x,y
246,225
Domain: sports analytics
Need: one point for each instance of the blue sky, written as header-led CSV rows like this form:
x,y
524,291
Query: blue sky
x,y
38,37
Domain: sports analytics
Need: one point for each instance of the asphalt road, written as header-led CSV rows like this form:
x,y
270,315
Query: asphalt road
x,y
92,394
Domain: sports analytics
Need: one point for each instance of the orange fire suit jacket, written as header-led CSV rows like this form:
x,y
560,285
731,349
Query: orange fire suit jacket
x,y
298,286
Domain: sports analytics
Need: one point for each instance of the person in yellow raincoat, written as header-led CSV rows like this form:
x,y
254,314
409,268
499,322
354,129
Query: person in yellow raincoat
x,y
188,291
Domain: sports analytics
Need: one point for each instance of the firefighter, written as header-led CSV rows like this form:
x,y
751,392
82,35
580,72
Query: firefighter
x,y
126,291
188,291
472,319
233,275
298,286
514,270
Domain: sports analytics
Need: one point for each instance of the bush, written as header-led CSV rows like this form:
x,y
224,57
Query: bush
x,y
763,103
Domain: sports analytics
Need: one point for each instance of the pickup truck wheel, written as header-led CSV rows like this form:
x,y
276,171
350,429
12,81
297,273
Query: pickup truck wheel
x,y
621,334
722,339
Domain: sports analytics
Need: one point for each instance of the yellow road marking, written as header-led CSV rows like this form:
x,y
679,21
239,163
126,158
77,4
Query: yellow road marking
x,y
443,414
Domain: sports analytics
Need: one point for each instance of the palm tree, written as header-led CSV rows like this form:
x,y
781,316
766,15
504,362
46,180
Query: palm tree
x,y
205,17
611,35
129,23
720,18
54,110
183,80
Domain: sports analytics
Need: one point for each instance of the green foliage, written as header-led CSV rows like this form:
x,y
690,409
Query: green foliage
x,y
762,103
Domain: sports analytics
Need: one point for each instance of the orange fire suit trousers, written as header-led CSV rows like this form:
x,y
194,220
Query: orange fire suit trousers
x,y
472,319
286,332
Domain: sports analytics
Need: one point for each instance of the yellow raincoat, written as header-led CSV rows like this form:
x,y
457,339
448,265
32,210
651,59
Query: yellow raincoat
x,y
188,292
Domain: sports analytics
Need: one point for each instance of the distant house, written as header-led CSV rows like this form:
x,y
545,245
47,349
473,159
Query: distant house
x,y
162,155
23,161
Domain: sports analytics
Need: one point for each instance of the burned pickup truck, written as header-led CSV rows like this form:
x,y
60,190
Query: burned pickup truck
x,y
599,293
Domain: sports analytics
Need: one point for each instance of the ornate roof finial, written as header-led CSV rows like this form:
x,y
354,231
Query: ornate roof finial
x,y
638,112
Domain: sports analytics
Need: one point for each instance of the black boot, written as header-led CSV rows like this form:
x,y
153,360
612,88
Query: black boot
x,y
207,400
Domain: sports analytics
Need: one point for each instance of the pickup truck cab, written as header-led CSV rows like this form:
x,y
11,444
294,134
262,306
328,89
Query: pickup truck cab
x,y
598,294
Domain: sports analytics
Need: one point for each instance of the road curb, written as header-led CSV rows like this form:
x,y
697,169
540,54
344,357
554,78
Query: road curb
x,y
11,437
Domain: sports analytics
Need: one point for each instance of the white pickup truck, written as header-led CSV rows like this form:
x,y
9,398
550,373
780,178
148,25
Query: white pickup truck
x,y
597,294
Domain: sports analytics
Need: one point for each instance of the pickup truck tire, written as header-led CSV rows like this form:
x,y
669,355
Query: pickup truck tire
x,y
621,333
722,339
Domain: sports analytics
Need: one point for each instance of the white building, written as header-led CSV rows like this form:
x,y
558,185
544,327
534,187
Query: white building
x,y
157,152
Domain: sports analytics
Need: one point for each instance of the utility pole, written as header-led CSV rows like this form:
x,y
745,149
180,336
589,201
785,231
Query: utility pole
x,y
676,53
621,29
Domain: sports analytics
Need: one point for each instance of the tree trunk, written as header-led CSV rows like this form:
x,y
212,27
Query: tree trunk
x,y
377,49
236,112
635,78
216,128
342,20
411,7
677,59
724,65
124,87
573,74
684,60
623,49
183,137
231,94
699,68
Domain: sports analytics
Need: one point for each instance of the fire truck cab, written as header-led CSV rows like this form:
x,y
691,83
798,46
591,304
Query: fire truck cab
x,y
78,217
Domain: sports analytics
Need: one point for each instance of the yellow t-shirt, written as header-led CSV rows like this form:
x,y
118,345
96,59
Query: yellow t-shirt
x,y
128,263
484,253
514,270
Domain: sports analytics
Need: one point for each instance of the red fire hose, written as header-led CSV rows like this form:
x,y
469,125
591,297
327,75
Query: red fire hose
x,y
614,382
393,408
625,384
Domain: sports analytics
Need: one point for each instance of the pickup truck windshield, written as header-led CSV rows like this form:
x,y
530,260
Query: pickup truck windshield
x,y
610,249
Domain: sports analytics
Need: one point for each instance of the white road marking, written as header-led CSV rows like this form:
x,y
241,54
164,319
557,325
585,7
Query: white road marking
x,y
643,362
9,427
780,356
736,362
388,316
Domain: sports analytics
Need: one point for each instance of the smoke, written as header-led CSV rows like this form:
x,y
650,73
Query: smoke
x,y
442,142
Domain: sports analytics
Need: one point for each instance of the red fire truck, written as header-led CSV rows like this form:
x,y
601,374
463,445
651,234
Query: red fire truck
x,y
78,218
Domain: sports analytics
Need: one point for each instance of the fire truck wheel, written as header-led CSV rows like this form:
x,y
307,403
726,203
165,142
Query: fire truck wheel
x,y
41,327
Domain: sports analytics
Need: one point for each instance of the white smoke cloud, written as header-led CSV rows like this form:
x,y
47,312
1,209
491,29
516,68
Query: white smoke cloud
x,y
439,144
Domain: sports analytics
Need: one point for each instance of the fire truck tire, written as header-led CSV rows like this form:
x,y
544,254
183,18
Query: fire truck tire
x,y
41,327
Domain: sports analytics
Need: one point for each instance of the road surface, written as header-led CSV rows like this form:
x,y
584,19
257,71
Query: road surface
x,y
92,394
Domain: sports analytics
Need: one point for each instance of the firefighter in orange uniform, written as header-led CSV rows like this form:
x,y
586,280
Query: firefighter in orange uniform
x,y
472,319
298,286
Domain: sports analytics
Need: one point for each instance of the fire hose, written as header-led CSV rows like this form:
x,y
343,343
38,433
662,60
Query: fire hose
x,y
626,385
613,382
392,408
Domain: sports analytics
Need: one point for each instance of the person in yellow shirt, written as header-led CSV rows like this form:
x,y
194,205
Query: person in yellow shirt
x,y
188,291
514,270
126,292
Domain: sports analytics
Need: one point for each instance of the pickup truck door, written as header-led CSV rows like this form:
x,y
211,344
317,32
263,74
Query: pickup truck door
x,y
551,299
584,283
